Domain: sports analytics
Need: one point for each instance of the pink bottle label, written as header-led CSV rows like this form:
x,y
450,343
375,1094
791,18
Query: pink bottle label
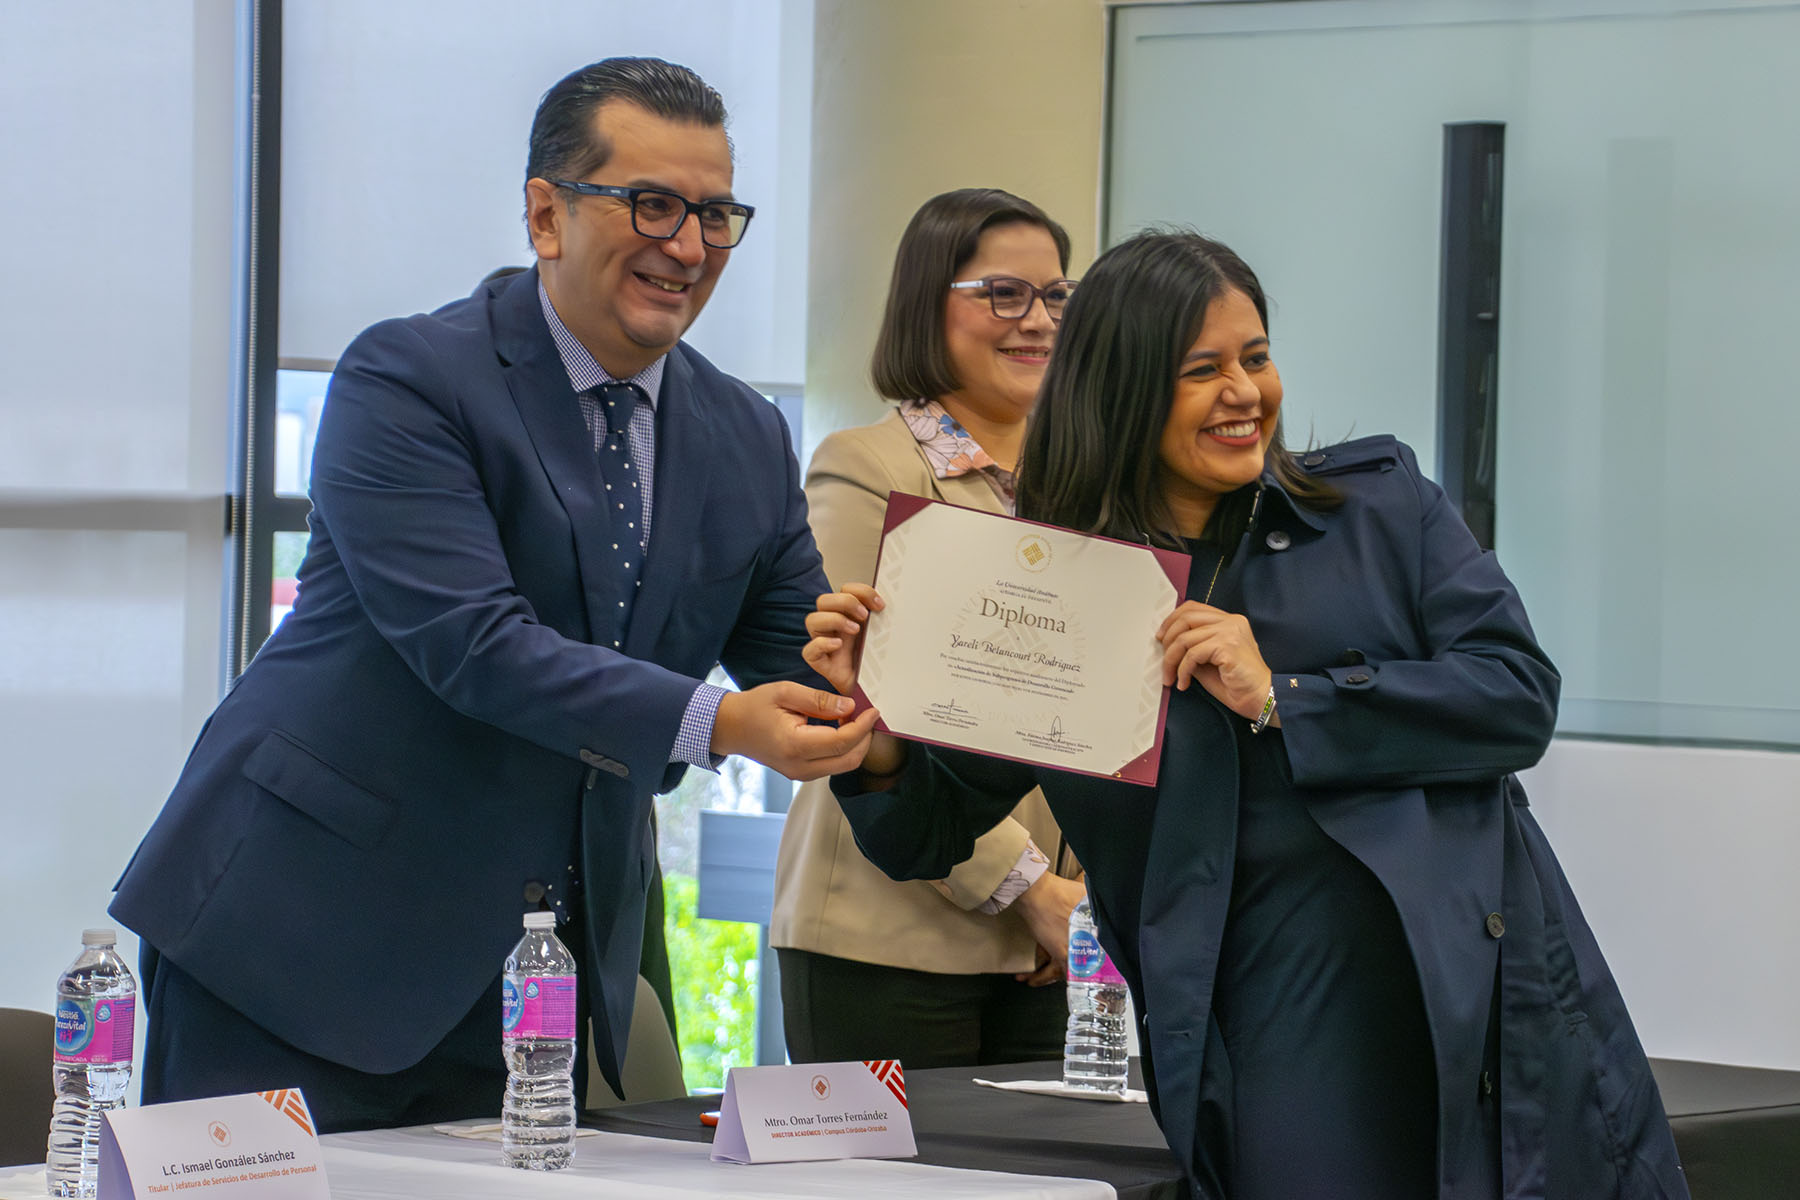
x,y
1088,962
95,1029
537,1006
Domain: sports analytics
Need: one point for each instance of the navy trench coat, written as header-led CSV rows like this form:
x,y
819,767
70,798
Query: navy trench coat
x,y
1410,689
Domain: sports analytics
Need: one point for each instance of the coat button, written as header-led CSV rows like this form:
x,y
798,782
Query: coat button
x,y
1496,925
1359,677
1313,460
534,892
1278,539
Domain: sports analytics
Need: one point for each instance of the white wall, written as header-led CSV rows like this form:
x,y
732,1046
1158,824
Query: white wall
x,y
903,109
1683,861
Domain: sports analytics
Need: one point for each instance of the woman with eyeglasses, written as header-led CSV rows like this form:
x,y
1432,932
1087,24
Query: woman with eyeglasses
x,y
961,970
1360,971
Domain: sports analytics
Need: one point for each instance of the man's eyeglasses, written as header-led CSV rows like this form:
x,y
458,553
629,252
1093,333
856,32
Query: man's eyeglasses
x,y
660,214
1012,298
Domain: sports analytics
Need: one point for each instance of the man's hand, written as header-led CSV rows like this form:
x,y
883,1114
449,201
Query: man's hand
x,y
1046,906
770,724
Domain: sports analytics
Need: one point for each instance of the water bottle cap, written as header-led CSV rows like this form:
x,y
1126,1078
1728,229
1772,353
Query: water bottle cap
x,y
99,937
540,920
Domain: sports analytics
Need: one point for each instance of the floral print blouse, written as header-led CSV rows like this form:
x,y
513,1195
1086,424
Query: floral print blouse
x,y
951,450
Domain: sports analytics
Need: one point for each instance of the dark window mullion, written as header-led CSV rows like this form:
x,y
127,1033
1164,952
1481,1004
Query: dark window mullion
x,y
257,512
286,514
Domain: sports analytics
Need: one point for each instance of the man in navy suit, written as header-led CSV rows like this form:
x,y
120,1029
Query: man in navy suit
x,y
539,520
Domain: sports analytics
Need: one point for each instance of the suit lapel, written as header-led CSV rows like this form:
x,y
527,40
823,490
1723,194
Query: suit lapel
x,y
682,481
546,402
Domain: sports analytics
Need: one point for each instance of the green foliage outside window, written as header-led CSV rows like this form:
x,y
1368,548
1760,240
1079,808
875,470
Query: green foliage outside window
x,y
714,968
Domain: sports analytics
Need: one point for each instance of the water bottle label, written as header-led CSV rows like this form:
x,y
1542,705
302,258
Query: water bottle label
x,y
95,1029
1088,962
537,1006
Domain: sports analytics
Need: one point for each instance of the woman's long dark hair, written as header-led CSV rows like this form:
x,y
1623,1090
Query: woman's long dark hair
x,y
1090,460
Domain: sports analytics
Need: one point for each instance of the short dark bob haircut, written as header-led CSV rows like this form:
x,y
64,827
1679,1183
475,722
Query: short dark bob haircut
x,y
911,360
562,141
1091,458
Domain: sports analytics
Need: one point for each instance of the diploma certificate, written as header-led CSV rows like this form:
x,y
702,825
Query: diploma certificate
x,y
1020,640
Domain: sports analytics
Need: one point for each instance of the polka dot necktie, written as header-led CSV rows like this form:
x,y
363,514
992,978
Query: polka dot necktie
x,y
619,405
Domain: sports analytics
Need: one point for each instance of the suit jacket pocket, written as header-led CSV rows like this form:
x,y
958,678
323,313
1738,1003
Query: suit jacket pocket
x,y
308,783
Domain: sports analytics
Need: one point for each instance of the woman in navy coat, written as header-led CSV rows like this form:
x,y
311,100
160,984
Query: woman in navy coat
x,y
1359,971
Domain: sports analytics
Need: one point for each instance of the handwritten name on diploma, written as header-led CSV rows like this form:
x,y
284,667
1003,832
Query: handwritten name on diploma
x,y
1032,656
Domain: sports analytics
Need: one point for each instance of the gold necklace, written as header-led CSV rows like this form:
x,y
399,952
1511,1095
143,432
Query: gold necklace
x,y
1215,576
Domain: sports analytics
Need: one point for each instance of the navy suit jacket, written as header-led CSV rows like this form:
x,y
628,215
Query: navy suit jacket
x,y
441,724
1410,687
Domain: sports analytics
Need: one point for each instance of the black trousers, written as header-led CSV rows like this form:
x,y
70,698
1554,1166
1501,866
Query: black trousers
x,y
840,1010
196,1045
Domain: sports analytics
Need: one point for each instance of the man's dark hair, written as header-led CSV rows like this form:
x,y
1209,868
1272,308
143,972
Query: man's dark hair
x,y
563,145
1091,459
911,359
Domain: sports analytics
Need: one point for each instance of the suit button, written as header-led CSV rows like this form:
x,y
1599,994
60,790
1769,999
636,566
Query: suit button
x,y
1496,925
1359,677
534,892
1313,460
1278,539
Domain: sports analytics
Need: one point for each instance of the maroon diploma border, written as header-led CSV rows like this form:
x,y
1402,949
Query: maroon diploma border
x,y
1142,770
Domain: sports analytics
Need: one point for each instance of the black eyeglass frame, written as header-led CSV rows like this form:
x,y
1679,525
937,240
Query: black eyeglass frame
x,y
1037,293
690,208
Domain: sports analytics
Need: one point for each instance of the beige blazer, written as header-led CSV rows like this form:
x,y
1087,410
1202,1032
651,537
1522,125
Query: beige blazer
x,y
829,899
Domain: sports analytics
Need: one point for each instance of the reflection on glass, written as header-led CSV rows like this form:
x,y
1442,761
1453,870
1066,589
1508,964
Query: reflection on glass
x,y
299,399
290,548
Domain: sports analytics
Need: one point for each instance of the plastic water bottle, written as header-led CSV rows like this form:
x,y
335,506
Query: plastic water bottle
x,y
96,1014
1095,1048
537,1032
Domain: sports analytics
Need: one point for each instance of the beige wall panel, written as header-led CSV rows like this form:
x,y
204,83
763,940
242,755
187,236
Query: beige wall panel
x,y
915,97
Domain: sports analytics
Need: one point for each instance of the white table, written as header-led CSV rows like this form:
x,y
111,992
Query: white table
x,y
404,1164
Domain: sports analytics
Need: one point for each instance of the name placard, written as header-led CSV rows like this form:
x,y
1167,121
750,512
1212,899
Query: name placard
x,y
259,1146
814,1111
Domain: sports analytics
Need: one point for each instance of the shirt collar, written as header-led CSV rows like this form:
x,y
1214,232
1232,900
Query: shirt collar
x,y
585,373
948,447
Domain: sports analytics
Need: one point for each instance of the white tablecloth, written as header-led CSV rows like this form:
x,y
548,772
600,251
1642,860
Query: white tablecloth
x,y
404,1164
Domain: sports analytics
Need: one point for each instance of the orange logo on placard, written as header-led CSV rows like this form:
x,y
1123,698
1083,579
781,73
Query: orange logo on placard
x,y
821,1086
292,1105
888,1071
220,1133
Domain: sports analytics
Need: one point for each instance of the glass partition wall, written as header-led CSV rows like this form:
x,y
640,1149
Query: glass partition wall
x,y
1650,273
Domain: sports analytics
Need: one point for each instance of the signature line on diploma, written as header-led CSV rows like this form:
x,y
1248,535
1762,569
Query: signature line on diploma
x,y
949,706
1056,728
